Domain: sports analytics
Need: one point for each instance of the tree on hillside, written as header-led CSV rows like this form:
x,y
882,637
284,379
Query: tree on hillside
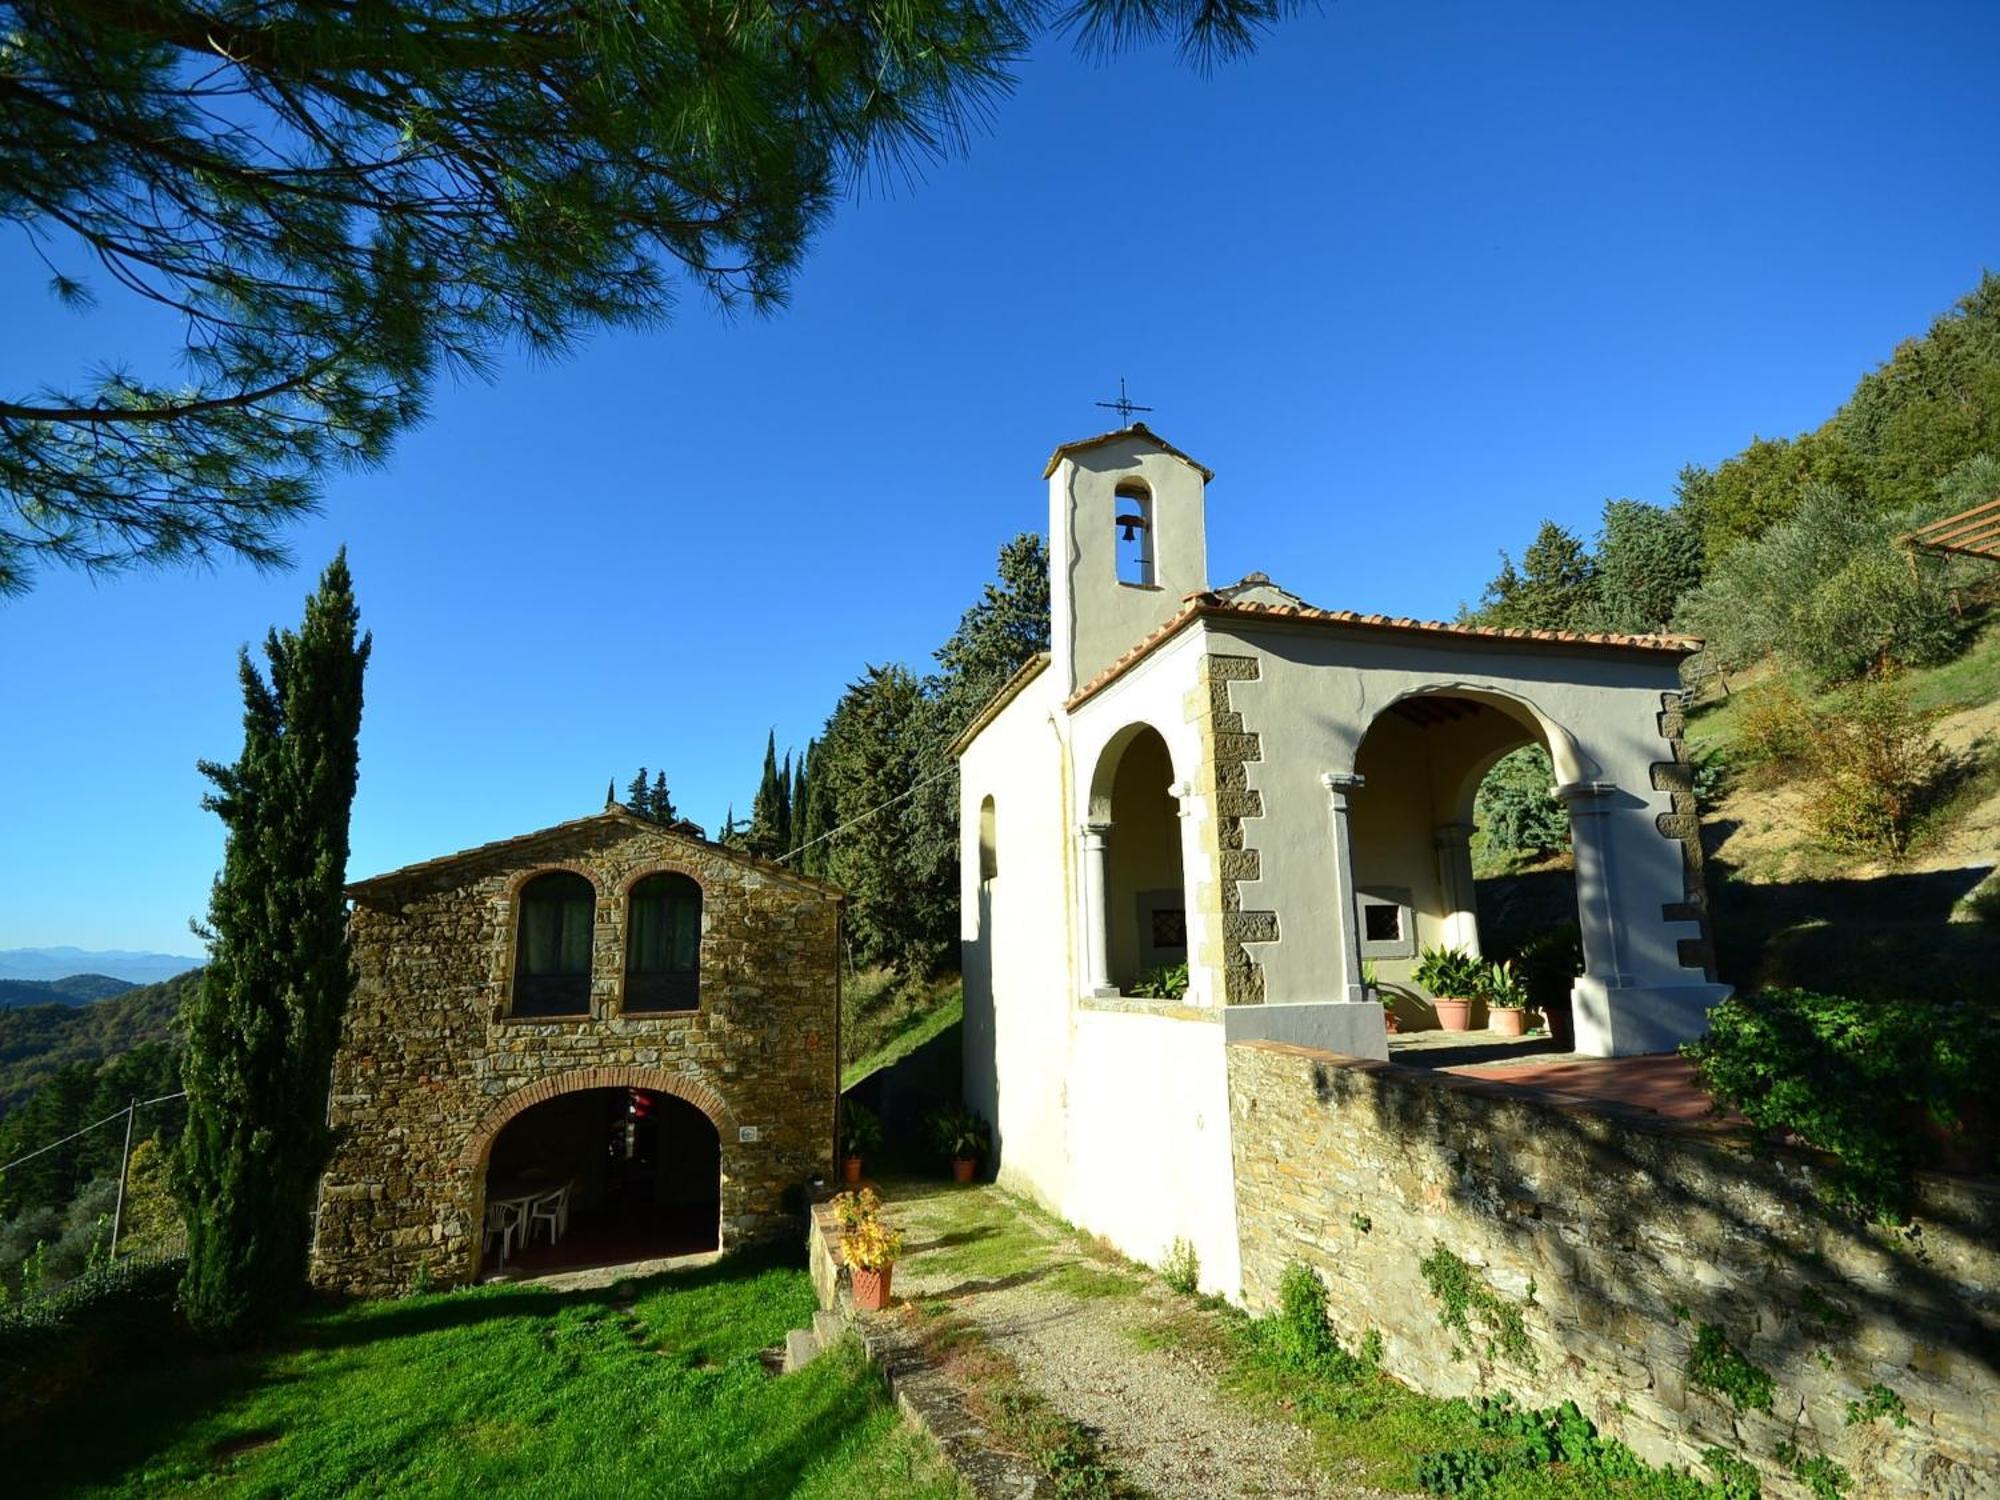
x,y
338,202
870,754
262,1030
897,815
1555,588
1647,558
770,830
651,799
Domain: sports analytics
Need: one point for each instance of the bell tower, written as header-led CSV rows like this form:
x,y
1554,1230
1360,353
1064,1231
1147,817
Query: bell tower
x,y
1128,541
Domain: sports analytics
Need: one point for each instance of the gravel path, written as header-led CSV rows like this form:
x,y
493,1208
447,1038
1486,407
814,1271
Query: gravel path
x,y
1087,1334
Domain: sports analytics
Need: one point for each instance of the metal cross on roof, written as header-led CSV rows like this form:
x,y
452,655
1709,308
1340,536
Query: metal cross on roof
x,y
1124,405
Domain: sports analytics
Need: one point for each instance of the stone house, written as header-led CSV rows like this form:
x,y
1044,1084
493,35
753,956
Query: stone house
x,y
1272,794
612,1005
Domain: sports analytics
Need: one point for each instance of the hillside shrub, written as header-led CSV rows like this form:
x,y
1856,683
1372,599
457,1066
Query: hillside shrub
x,y
1867,757
56,1346
1829,590
1875,768
1857,1079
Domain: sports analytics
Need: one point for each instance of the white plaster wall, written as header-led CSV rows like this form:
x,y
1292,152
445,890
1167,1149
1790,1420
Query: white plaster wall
x,y
1095,617
1150,1157
1318,692
1015,941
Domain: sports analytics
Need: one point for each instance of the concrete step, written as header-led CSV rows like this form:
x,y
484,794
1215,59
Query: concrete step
x,y
801,1349
828,1327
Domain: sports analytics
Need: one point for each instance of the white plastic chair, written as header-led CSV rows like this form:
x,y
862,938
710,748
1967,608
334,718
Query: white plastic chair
x,y
508,1219
551,1209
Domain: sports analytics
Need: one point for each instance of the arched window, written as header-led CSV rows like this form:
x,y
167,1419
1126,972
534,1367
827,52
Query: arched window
x,y
552,946
989,850
1132,522
663,952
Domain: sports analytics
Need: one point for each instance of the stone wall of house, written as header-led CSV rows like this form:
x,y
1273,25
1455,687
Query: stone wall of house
x,y
1614,1236
431,1066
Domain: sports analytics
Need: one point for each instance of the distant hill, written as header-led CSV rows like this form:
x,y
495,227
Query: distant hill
x,y
62,963
35,1040
77,989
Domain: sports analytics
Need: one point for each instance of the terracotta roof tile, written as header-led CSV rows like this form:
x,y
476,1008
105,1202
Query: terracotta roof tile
x,y
615,814
1215,606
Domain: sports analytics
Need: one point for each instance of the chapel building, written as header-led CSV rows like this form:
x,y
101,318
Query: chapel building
x,y
1273,795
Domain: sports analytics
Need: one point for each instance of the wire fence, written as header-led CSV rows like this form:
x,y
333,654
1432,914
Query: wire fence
x,y
123,1240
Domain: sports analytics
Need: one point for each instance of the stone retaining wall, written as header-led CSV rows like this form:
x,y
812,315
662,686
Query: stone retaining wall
x,y
1614,1237
431,1066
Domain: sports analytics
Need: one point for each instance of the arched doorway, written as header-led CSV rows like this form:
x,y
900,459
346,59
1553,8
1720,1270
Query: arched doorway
x,y
1144,914
602,1176
1420,876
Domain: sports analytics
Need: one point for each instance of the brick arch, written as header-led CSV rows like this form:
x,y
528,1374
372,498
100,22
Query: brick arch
x,y
657,1080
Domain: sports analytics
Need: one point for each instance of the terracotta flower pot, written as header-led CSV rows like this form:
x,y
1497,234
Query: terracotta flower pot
x,y
1453,1015
871,1288
962,1168
1507,1020
850,1170
1391,1022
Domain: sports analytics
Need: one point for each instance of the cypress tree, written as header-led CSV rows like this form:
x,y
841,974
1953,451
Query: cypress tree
x,y
262,1029
798,804
661,809
636,793
766,832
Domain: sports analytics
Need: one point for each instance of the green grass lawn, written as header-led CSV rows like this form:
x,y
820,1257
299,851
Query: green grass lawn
x,y
506,1392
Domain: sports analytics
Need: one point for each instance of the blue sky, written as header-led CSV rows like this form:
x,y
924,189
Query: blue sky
x,y
1412,278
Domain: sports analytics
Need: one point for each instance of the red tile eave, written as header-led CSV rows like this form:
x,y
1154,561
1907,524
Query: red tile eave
x,y
376,886
1208,606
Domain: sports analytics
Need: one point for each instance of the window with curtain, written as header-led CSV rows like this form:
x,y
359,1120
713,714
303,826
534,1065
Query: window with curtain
x,y
552,947
663,957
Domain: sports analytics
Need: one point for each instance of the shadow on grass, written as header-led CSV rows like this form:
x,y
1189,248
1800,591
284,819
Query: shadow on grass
x,y
156,1404
364,1323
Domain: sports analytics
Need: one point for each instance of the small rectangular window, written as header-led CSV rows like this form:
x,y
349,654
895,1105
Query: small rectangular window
x,y
1381,924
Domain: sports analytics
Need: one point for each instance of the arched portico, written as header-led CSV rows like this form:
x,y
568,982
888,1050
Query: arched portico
x,y
1136,912
658,1125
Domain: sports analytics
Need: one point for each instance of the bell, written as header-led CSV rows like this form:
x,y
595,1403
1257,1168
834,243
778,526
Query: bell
x,y
1128,522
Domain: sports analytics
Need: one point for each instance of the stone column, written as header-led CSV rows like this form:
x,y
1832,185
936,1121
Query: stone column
x,y
1461,902
1096,947
1338,786
1589,804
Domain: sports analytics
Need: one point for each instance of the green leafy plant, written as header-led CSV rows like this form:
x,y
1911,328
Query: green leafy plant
x,y
1168,983
1876,1402
1826,1479
1503,988
860,1130
960,1134
1854,1078
1717,1365
1181,1269
1301,1334
1462,1295
1450,972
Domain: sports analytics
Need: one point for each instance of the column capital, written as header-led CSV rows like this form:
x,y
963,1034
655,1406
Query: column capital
x,y
1452,835
1092,829
1342,781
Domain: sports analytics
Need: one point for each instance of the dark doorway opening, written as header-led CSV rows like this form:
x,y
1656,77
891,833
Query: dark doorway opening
x,y
642,1171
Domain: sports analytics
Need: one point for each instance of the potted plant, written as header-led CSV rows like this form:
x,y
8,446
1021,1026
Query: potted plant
x,y
1506,1001
1371,987
1454,979
860,1136
868,1245
962,1136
